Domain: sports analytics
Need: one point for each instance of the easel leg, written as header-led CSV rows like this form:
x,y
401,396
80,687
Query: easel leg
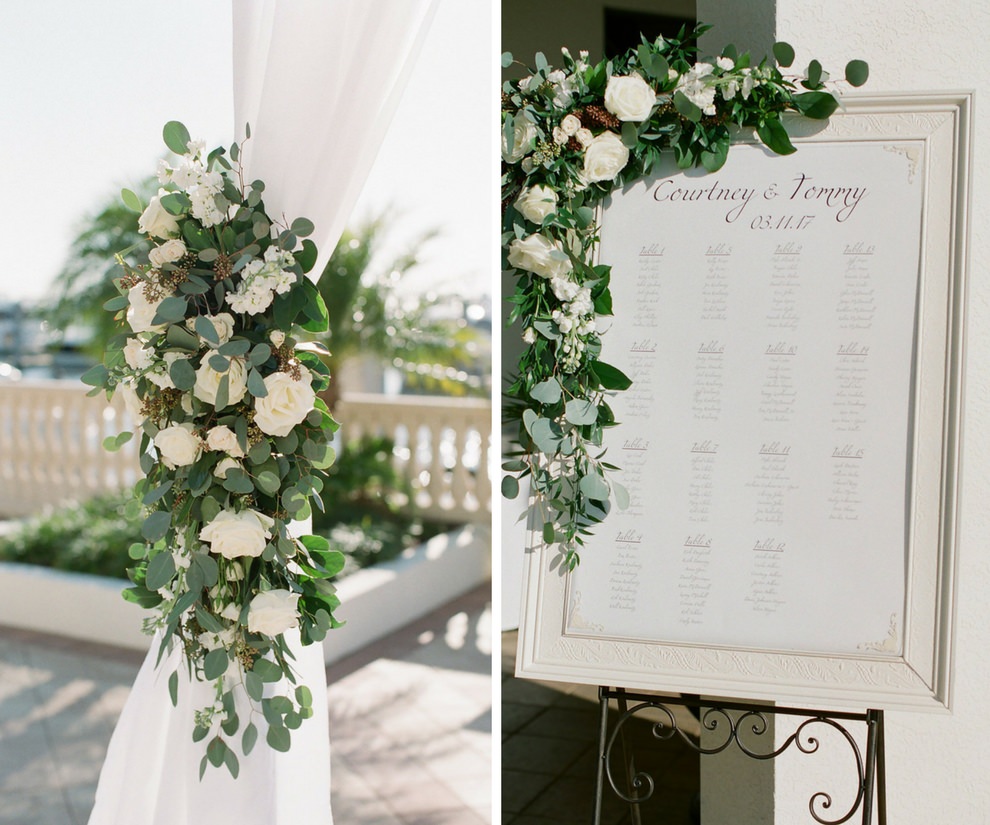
x,y
881,772
629,762
596,818
874,767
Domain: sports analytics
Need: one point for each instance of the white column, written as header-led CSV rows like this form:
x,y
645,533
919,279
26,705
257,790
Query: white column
x,y
936,764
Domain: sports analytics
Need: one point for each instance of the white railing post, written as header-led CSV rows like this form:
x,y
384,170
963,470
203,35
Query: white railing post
x,y
51,447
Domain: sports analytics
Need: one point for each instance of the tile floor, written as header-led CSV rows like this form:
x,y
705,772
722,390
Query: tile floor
x,y
410,723
549,757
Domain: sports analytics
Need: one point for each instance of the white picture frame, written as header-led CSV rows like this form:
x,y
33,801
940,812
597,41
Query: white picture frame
x,y
919,676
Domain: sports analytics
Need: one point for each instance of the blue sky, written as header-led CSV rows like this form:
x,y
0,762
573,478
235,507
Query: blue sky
x,y
86,88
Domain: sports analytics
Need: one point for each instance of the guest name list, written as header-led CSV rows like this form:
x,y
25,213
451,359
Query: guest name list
x,y
765,314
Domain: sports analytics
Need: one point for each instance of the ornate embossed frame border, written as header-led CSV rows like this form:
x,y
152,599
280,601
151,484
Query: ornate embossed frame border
x,y
922,677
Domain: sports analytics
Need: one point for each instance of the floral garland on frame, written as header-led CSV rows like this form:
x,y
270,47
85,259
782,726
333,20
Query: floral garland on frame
x,y
569,136
234,441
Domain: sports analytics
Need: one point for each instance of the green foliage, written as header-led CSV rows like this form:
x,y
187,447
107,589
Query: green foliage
x,y
569,136
367,315
92,537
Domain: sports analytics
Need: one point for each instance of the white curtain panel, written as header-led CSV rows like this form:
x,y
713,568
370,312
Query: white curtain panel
x,y
318,81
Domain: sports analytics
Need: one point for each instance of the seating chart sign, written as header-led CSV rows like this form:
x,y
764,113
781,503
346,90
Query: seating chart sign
x,y
767,323
792,329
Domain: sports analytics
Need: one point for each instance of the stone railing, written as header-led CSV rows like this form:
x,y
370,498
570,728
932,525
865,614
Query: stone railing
x,y
51,437
441,448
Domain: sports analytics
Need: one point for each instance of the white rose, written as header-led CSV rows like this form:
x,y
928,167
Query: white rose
x,y
273,612
277,337
529,336
167,253
605,157
629,97
162,376
288,402
224,440
569,125
178,446
208,381
584,137
132,402
536,202
523,136
223,323
156,220
535,254
141,311
233,534
137,355
227,464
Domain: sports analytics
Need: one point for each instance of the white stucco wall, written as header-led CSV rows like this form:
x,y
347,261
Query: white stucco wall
x,y
936,764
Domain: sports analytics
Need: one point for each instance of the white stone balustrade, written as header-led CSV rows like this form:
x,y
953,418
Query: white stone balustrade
x,y
442,447
51,447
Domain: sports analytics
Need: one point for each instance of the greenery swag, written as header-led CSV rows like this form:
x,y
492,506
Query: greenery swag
x,y
234,442
569,136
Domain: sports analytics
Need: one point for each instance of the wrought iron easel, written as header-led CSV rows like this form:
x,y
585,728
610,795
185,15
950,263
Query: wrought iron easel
x,y
715,718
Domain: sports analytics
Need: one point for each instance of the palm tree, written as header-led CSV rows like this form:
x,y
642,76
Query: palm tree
x,y
368,316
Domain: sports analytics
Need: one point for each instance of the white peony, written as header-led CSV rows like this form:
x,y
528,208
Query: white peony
x,y
178,445
288,402
156,220
224,440
137,355
167,253
273,612
523,138
539,255
605,157
232,535
629,98
536,202
208,381
141,311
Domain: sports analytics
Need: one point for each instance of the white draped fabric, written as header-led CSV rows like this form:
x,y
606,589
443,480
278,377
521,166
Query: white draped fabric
x,y
318,81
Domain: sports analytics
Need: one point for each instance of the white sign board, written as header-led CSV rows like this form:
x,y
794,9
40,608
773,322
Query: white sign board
x,y
791,328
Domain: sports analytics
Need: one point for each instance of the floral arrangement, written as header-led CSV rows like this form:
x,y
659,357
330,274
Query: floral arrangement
x,y
233,441
569,136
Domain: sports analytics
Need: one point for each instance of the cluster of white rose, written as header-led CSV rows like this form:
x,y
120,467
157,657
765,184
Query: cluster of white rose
x,y
262,281
288,399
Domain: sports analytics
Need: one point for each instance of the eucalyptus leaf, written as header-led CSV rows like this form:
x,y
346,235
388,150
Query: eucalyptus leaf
x,y
594,487
156,525
784,54
510,487
581,411
215,664
182,374
131,201
176,137
161,569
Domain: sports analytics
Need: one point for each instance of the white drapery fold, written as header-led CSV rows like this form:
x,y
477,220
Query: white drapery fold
x,y
318,81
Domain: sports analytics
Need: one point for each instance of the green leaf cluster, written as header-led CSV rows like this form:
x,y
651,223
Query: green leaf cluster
x,y
558,400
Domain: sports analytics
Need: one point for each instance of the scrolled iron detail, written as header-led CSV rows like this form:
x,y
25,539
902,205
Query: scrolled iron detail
x,y
713,720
